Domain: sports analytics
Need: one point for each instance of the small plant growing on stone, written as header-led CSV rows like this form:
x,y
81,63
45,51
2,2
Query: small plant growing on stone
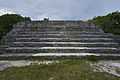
x,y
46,19
92,58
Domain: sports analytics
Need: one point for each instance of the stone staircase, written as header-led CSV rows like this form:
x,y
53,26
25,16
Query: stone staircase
x,y
59,37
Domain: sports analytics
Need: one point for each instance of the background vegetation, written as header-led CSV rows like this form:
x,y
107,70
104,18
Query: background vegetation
x,y
109,23
8,20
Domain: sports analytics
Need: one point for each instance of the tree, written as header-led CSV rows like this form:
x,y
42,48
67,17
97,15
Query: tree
x,y
8,20
109,23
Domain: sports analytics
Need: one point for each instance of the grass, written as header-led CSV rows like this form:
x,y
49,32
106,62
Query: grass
x,y
67,69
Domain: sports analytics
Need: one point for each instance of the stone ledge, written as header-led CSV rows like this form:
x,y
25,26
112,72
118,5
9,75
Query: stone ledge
x,y
58,55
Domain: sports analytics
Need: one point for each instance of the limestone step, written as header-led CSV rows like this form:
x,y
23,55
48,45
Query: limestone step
x,y
62,24
37,30
61,50
64,39
58,29
58,32
61,36
63,44
55,55
56,25
58,40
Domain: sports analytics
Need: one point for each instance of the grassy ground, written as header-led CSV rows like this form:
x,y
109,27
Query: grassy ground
x,y
66,69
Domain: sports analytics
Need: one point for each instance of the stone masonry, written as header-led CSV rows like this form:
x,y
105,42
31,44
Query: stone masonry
x,y
59,37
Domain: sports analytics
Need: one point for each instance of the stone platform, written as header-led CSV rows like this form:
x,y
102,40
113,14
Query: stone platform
x,y
59,38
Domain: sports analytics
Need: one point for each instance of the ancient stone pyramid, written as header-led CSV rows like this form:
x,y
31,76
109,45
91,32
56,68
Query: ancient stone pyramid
x,y
59,38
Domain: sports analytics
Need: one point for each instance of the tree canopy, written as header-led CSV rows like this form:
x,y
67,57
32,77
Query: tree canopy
x,y
8,20
109,23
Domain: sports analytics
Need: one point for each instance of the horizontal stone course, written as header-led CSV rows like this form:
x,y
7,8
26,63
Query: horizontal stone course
x,y
64,39
56,55
60,36
61,50
54,37
63,44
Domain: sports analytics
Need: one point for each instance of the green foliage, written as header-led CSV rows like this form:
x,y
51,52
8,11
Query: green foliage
x,y
92,58
8,20
45,19
109,23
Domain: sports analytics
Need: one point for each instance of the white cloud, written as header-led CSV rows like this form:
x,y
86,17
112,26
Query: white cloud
x,y
60,9
4,11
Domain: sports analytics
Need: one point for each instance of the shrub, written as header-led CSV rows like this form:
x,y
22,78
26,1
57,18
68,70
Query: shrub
x,y
8,20
45,19
92,58
109,23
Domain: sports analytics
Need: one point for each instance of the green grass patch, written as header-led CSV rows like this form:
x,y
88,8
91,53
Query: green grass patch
x,y
69,69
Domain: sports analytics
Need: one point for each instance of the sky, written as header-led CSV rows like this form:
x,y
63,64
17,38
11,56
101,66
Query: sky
x,y
59,9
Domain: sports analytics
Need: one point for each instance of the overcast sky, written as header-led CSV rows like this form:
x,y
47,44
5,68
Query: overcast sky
x,y
59,9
